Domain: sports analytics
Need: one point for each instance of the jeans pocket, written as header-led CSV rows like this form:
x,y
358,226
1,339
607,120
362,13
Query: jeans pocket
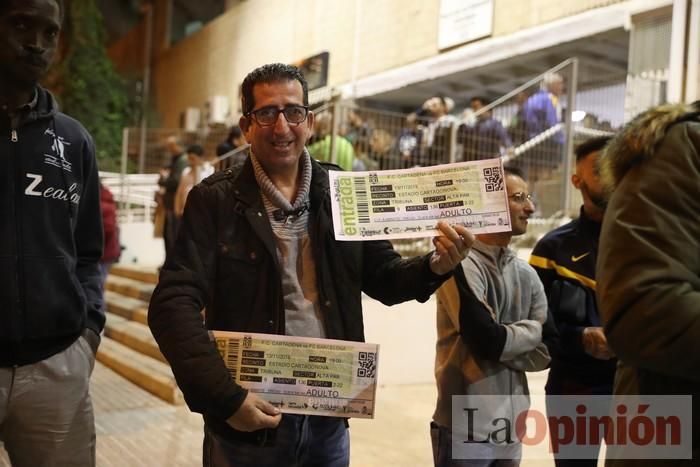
x,y
88,352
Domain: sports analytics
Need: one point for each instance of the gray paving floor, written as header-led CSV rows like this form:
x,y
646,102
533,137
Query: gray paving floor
x,y
137,429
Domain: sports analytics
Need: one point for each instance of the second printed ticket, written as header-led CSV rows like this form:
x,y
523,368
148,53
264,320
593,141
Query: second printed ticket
x,y
408,203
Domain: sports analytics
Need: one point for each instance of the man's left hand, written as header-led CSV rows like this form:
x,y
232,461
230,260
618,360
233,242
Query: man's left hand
x,y
450,248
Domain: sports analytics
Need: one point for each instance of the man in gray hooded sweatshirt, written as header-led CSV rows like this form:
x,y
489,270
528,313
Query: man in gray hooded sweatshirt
x,y
489,321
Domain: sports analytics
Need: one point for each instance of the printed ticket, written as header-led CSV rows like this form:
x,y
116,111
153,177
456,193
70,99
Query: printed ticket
x,y
408,203
303,375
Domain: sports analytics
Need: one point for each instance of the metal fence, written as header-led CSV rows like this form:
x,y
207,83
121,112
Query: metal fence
x,y
533,128
134,195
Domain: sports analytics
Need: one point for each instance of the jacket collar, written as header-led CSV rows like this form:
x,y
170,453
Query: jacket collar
x,y
497,256
319,184
248,192
246,189
588,226
249,201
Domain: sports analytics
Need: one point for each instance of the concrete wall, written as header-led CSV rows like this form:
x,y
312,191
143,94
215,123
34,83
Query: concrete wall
x,y
364,37
515,15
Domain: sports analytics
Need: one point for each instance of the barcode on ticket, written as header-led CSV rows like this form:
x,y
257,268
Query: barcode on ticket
x,y
362,202
233,347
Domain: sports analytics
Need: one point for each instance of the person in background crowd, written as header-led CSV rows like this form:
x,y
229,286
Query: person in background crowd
x,y
112,248
410,142
357,130
542,111
168,182
489,322
437,133
382,148
487,138
649,263
257,250
233,141
565,259
197,170
321,149
517,128
51,312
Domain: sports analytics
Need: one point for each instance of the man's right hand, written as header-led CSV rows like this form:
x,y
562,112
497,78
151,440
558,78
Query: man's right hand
x,y
255,414
595,343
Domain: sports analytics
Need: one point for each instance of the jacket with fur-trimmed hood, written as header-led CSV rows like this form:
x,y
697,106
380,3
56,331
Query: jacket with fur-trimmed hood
x,y
649,260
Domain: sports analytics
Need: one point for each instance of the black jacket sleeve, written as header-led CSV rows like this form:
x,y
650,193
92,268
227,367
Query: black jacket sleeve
x,y
550,330
184,289
484,336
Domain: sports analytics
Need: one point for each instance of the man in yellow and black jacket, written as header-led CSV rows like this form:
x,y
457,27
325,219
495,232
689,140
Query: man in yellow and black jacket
x,y
565,260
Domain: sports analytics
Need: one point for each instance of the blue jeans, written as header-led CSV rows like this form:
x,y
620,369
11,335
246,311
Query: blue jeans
x,y
300,441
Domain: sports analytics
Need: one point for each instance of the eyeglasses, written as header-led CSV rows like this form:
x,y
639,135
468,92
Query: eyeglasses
x,y
521,197
267,116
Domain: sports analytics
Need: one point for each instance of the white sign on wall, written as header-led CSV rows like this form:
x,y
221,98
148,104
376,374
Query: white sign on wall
x,y
463,21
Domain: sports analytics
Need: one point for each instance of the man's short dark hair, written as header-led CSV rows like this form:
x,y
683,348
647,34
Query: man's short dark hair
x,y
195,149
484,101
512,170
590,146
270,73
5,5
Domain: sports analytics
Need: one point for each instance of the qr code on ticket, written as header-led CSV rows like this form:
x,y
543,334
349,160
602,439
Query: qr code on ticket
x,y
367,365
492,179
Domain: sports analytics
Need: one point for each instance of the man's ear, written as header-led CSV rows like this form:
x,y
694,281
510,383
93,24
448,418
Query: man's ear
x,y
244,125
310,120
576,181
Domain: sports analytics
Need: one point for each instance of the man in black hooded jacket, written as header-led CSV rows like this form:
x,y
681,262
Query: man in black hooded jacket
x,y
50,245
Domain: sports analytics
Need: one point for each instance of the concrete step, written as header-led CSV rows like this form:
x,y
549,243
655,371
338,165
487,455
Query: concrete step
x,y
127,307
130,287
152,375
139,273
134,335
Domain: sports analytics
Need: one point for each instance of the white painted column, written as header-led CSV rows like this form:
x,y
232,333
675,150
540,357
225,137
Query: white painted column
x,y
676,75
692,80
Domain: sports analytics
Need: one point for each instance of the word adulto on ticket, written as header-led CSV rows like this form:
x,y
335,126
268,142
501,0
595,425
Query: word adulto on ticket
x,y
303,375
408,203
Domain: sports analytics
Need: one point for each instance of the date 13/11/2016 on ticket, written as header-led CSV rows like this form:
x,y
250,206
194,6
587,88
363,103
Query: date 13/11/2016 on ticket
x,y
408,203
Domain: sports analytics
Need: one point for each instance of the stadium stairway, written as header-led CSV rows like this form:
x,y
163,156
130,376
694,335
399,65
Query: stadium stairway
x,y
128,347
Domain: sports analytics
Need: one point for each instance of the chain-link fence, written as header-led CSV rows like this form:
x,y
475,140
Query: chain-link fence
x,y
533,128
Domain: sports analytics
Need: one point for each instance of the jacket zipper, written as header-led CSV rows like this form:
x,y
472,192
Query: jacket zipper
x,y
19,269
320,265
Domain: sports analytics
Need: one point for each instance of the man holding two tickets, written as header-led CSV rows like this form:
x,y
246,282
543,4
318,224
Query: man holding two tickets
x,y
257,250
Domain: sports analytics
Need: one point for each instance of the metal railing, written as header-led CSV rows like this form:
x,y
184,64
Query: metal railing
x,y
134,195
534,127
